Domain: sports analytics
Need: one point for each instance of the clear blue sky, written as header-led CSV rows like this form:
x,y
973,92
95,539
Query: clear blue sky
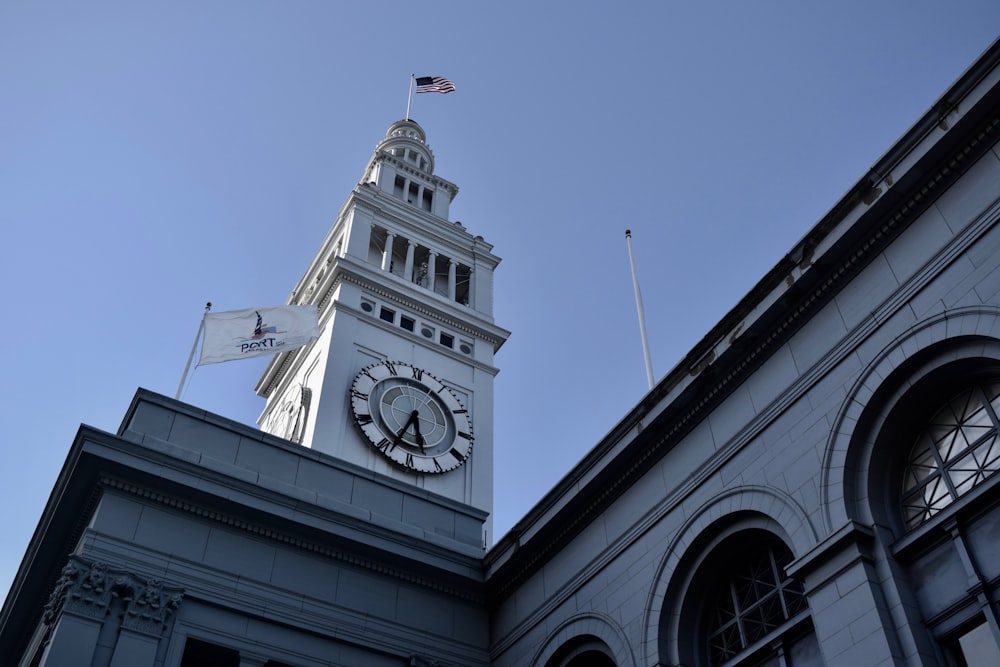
x,y
155,156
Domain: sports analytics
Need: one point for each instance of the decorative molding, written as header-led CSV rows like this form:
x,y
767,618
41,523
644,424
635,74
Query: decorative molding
x,y
82,590
88,588
587,624
383,155
260,530
417,307
151,605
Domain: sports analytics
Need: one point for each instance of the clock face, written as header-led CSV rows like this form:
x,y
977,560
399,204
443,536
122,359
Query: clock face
x,y
411,417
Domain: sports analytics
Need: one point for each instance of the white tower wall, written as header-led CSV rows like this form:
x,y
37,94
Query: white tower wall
x,y
395,281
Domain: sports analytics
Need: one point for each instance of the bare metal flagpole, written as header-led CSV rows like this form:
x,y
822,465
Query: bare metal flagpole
x,y
409,98
194,346
638,307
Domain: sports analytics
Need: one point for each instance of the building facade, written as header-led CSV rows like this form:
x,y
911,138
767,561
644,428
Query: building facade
x,y
812,485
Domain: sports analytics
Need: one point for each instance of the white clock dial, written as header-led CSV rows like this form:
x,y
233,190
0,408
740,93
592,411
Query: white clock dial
x,y
411,417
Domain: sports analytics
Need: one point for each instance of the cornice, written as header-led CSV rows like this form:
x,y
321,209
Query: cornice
x,y
286,362
402,218
485,331
402,165
262,530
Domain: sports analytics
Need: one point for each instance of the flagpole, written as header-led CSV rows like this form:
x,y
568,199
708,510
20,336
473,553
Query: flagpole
x,y
409,98
194,346
638,307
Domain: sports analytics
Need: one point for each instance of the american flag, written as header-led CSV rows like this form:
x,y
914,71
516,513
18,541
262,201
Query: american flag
x,y
434,84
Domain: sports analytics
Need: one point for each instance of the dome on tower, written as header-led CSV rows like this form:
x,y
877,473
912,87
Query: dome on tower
x,y
406,140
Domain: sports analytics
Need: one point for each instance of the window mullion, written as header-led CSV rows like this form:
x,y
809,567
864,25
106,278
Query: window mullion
x,y
737,613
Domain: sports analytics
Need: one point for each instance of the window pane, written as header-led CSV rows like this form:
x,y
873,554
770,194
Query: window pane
x,y
962,436
750,605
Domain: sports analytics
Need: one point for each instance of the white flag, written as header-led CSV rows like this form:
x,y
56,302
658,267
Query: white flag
x,y
254,332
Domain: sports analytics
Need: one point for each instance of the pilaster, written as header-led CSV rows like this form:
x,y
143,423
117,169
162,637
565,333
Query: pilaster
x,y
106,617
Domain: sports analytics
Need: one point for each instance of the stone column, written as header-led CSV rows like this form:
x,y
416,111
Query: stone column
x,y
852,622
470,300
431,270
143,623
452,267
86,633
77,606
387,252
408,267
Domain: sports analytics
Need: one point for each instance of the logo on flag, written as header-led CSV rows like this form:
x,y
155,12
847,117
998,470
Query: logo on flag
x,y
254,332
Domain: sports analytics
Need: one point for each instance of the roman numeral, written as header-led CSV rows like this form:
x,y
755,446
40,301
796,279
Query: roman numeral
x,y
409,461
363,419
467,436
385,446
456,454
357,394
417,373
437,466
391,368
460,411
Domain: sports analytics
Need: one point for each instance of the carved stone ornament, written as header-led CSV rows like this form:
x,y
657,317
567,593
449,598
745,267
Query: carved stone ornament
x,y
148,610
82,589
87,588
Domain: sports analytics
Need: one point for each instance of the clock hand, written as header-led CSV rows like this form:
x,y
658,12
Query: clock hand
x,y
412,420
415,418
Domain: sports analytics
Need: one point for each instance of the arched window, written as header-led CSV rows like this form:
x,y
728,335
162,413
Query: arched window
x,y
956,451
934,460
586,651
754,613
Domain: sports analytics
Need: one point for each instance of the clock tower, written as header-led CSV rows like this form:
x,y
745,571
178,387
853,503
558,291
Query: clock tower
x,y
400,381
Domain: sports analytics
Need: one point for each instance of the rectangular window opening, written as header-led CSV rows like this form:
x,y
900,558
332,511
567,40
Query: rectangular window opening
x,y
201,654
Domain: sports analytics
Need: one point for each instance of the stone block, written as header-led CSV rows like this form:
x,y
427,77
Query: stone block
x,y
377,498
305,574
817,337
967,198
153,420
428,516
269,461
73,642
986,249
237,553
172,533
869,290
420,610
368,594
468,529
134,650
988,287
918,244
196,435
324,479
731,416
117,515
773,378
